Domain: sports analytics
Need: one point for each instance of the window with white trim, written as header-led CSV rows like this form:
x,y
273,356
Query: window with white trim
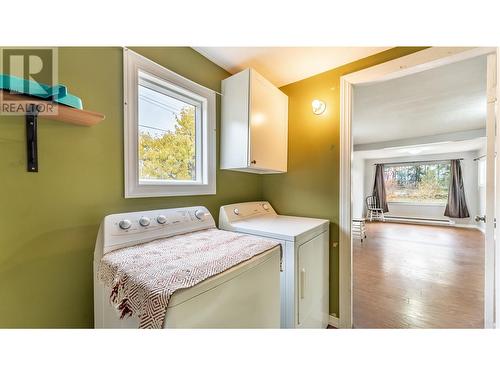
x,y
169,132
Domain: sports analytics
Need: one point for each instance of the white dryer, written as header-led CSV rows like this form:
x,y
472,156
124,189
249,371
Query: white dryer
x,y
305,277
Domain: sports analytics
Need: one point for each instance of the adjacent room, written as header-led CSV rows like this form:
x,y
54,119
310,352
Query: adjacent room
x,y
419,199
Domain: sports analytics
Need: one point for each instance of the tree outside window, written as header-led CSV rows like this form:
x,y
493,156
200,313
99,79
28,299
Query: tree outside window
x,y
417,183
170,154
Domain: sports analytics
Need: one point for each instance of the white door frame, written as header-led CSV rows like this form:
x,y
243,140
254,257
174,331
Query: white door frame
x,y
497,200
489,251
416,62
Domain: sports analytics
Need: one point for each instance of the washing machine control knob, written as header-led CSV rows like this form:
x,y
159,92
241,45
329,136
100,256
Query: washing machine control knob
x,y
125,224
200,215
236,211
144,221
161,219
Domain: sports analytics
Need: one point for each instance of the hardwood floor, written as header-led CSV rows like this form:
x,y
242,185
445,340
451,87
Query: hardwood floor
x,y
418,276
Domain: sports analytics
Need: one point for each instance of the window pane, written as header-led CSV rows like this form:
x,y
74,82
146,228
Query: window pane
x,y
167,139
422,183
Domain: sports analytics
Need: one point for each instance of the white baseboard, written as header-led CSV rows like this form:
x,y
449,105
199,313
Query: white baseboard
x,y
414,220
333,321
450,223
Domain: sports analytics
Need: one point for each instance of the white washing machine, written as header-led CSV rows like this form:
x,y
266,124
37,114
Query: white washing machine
x,y
305,276
244,296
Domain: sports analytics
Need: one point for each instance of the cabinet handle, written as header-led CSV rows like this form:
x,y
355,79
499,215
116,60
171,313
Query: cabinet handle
x,y
302,282
253,162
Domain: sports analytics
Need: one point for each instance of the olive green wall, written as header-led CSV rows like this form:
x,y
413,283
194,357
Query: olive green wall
x,y
49,220
311,185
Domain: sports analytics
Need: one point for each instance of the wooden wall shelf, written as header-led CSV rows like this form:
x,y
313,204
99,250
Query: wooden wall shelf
x,y
32,108
18,103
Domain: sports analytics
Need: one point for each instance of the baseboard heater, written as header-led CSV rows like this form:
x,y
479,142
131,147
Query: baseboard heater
x,y
419,220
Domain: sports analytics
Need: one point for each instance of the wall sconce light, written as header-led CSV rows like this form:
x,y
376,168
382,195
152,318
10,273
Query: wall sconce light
x,y
318,106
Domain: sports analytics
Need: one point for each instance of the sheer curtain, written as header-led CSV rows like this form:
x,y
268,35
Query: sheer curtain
x,y
456,206
379,188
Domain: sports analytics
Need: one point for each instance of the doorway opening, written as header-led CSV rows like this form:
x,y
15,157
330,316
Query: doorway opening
x,y
421,182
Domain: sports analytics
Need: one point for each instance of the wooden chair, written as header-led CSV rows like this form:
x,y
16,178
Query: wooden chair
x,y
374,210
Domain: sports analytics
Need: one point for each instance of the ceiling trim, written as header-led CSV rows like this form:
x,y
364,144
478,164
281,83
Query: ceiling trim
x,y
414,63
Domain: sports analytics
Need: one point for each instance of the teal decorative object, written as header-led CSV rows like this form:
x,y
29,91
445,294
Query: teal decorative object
x,y
57,93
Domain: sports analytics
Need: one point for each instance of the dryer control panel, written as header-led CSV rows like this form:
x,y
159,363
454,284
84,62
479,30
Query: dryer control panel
x,y
240,211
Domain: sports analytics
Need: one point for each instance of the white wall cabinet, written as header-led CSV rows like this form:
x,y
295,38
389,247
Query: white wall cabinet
x,y
254,128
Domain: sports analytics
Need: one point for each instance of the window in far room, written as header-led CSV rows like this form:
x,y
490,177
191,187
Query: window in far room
x,y
421,182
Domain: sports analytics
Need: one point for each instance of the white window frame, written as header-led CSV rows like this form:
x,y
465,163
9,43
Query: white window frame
x,y
204,101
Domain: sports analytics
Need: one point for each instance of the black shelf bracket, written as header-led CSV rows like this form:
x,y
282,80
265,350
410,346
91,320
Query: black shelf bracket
x,y
32,138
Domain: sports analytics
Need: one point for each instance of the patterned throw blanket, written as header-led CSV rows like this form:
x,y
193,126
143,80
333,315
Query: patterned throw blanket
x,y
142,278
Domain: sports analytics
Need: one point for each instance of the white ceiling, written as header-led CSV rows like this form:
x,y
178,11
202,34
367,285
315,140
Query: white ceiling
x,y
450,98
424,149
284,65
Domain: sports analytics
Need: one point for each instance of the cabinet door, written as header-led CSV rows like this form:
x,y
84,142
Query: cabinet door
x,y
268,125
234,125
312,277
